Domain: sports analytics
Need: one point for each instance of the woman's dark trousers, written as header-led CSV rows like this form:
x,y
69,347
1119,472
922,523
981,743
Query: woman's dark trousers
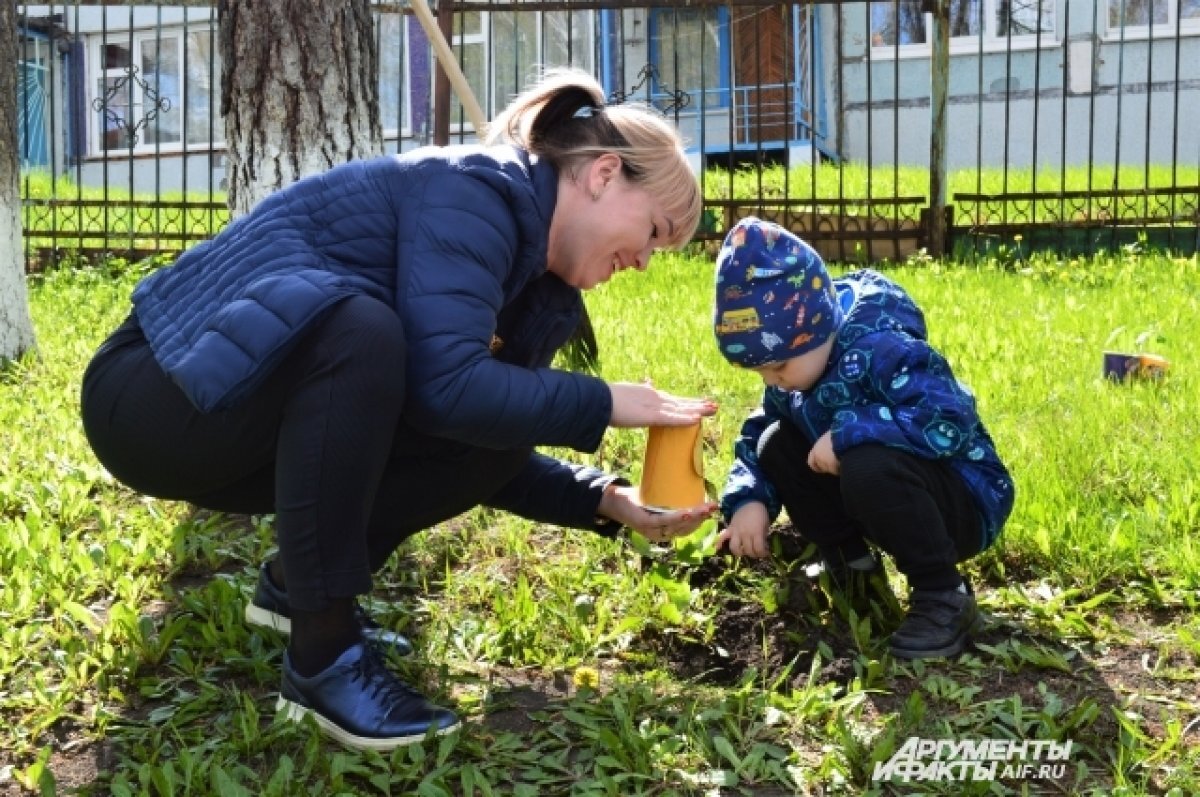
x,y
321,443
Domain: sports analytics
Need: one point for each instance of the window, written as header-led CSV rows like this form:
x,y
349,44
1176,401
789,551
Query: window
x,y
471,48
1020,18
512,60
897,23
517,42
144,83
392,38
1141,15
569,38
689,49
901,23
33,132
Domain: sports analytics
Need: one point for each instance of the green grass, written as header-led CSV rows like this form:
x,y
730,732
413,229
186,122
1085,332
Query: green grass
x,y
125,666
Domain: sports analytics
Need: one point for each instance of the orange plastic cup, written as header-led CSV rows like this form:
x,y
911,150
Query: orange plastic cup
x,y
673,472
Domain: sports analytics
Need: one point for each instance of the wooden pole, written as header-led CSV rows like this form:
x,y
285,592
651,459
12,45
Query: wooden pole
x,y
939,67
443,94
449,64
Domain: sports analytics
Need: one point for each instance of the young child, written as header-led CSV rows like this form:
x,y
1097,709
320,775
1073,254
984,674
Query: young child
x,y
863,435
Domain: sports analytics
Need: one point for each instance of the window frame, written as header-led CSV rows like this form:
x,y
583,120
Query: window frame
x,y
98,74
487,97
1157,31
403,72
34,56
724,96
988,42
459,41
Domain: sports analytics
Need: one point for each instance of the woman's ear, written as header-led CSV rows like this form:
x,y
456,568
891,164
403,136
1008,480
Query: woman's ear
x,y
604,170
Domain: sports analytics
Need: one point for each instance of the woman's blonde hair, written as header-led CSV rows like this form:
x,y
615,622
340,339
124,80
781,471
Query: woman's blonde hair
x,y
564,119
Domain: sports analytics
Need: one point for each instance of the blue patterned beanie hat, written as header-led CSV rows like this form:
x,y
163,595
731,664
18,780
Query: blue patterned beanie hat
x,y
775,300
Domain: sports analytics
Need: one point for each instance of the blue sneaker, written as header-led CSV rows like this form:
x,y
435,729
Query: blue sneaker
x,y
269,609
358,701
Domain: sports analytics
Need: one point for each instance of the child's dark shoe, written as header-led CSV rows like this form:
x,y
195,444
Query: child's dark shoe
x,y
938,624
269,609
361,703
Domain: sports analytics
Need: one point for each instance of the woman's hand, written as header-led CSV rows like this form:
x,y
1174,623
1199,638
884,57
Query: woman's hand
x,y
746,534
638,405
622,504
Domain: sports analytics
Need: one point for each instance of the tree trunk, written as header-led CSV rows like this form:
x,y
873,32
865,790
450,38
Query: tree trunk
x,y
16,326
299,91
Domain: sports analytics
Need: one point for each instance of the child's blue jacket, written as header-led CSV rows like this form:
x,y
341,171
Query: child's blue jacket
x,y
884,385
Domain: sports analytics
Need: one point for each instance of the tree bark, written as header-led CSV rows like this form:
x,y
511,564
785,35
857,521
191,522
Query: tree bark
x,y
16,325
299,91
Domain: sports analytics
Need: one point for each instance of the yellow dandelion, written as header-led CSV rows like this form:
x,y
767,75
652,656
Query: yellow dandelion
x,y
586,678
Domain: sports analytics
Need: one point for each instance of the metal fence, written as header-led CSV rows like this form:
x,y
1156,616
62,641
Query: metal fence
x,y
873,129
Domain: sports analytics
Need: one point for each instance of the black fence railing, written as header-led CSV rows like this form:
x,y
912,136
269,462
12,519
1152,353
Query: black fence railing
x,y
87,228
874,129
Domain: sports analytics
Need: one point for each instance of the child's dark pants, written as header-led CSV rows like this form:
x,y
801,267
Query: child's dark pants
x,y
320,443
917,510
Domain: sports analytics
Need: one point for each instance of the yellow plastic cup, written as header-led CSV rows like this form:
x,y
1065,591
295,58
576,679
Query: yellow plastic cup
x,y
673,471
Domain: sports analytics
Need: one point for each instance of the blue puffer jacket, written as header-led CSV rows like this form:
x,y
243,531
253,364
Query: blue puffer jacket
x,y
454,240
884,385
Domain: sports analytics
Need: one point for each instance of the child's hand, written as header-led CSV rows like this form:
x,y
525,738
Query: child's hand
x,y
821,458
746,534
